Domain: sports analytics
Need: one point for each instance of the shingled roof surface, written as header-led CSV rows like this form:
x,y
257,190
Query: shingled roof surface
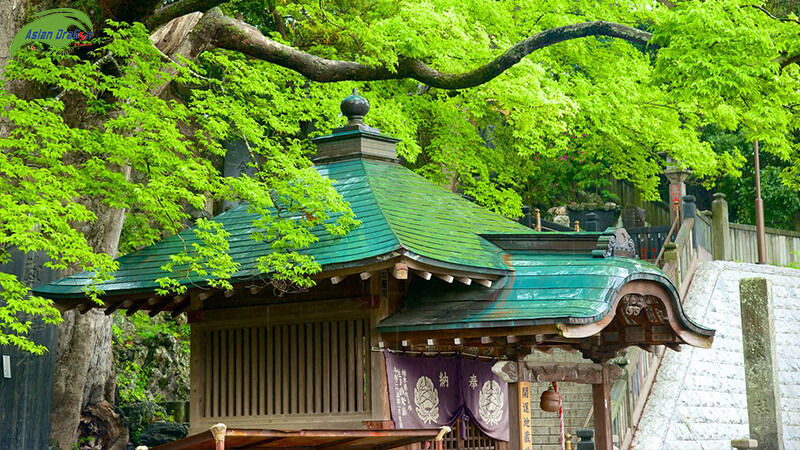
x,y
400,211
543,289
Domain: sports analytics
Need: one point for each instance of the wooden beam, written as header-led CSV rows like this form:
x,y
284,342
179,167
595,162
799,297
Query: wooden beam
x,y
337,280
167,303
675,347
136,306
366,275
416,265
120,304
254,290
160,307
206,294
486,340
512,339
423,274
476,333
487,283
464,280
180,307
584,373
85,307
257,444
445,278
400,271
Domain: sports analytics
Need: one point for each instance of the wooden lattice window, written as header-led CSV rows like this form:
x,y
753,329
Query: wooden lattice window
x,y
286,370
474,439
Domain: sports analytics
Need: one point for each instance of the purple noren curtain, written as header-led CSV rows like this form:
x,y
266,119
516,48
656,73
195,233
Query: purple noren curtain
x,y
432,392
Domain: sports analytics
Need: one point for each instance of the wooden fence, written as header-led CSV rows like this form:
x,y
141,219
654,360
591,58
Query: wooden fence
x,y
655,213
25,397
782,246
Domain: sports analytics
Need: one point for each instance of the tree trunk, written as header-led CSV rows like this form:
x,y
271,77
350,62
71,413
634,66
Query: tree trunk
x,y
84,376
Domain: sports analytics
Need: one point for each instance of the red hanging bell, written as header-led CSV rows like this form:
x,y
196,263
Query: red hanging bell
x,y
549,400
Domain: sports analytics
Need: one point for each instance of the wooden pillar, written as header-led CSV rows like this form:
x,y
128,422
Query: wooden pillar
x,y
516,417
601,400
379,390
196,366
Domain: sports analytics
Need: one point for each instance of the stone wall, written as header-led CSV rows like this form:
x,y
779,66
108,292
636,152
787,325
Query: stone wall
x,y
577,400
699,399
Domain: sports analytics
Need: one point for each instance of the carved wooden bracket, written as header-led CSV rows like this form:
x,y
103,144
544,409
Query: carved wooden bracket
x,y
507,371
586,373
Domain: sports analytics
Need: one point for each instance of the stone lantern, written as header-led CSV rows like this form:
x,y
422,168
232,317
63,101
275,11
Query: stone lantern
x,y
677,175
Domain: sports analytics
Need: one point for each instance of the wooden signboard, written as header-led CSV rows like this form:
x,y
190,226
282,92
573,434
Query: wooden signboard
x,y
526,404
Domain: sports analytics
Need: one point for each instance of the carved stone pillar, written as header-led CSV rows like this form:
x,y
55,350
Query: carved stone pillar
x,y
760,363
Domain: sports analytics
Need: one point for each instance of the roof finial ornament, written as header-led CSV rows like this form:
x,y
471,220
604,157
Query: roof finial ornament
x,y
355,107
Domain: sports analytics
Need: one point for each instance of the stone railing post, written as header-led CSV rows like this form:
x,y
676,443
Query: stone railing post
x,y
671,256
760,363
744,444
720,228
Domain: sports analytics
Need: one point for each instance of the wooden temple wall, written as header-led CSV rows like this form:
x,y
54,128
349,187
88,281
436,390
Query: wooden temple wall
x,y
288,369
284,366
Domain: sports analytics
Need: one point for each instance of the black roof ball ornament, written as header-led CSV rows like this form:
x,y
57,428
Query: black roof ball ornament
x,y
354,107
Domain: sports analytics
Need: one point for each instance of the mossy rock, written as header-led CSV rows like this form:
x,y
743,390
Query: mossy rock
x,y
159,433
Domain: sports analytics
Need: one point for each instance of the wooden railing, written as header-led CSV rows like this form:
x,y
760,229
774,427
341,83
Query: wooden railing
x,y
679,255
629,393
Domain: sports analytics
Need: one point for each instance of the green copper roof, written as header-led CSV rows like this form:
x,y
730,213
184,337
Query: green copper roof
x,y
400,211
543,289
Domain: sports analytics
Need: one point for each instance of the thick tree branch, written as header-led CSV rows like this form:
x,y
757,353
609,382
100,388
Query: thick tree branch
x,y
787,61
181,7
773,17
217,30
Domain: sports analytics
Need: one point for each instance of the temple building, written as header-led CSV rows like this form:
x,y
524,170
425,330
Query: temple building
x,y
422,317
